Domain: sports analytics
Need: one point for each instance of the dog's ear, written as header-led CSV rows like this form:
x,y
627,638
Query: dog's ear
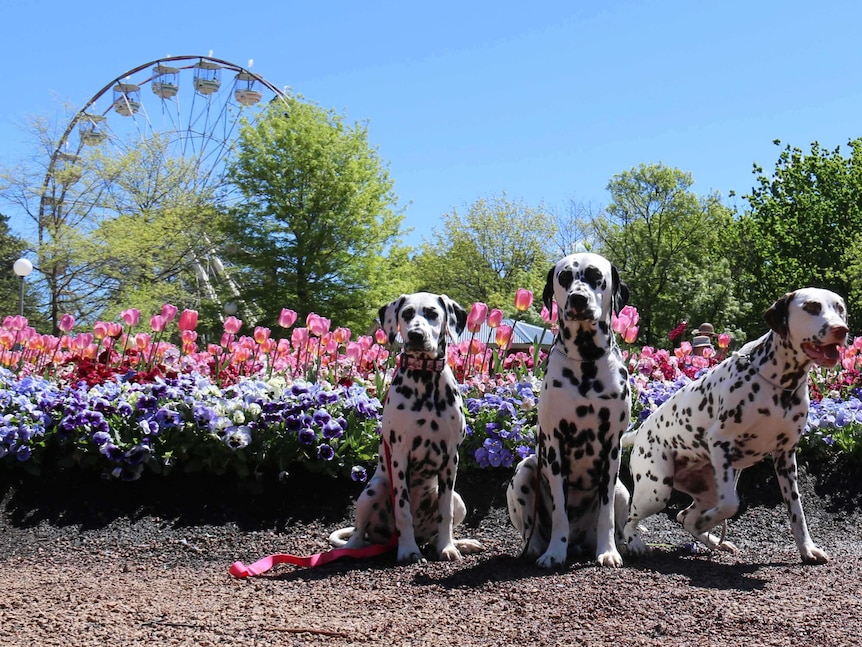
x,y
388,316
456,316
620,289
776,315
548,292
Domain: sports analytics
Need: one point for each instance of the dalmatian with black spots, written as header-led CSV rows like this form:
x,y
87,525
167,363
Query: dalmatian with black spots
x,y
566,499
423,424
752,404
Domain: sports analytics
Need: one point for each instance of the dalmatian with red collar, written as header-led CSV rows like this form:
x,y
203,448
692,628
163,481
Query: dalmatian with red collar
x,y
423,425
753,404
566,500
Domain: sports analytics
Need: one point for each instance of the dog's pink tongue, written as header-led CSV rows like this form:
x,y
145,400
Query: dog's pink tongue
x,y
826,355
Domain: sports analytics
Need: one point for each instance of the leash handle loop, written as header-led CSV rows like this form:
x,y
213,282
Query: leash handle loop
x,y
240,570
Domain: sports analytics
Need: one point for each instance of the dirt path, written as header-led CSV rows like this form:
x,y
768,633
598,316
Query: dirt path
x,y
93,563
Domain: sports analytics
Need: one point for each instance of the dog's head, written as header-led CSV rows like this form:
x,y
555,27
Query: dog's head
x,y
587,288
813,321
423,320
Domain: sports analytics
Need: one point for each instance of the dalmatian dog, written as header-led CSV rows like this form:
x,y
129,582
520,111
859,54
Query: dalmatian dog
x,y
566,499
752,404
423,425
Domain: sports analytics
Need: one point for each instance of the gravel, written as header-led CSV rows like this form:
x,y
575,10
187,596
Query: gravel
x,y
94,562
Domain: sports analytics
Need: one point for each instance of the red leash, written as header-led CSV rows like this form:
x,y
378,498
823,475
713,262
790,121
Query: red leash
x,y
238,569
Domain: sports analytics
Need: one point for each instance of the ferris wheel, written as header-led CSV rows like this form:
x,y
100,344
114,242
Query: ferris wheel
x,y
193,105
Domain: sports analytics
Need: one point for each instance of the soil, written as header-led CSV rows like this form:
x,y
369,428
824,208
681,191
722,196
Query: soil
x,y
87,561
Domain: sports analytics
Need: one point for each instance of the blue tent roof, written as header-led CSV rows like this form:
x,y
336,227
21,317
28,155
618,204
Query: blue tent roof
x,y
524,334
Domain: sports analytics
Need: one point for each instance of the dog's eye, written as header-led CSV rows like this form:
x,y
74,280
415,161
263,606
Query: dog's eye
x,y
565,278
430,314
408,313
812,307
593,276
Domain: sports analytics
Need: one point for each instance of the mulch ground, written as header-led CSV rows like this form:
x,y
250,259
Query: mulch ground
x,y
93,562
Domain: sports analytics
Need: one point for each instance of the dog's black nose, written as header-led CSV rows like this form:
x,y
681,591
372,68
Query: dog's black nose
x,y
415,337
578,302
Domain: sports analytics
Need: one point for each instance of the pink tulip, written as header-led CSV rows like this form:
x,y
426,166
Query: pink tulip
x,y
114,329
724,340
631,313
15,323
381,337
503,336
477,316
341,335
495,317
523,299
100,329
287,318
299,336
354,351
169,312
131,316
317,325
188,319
232,325
550,317
67,322
157,323
630,335
261,334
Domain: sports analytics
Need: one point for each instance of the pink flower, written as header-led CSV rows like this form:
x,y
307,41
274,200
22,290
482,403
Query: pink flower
x,y
503,336
630,334
317,325
477,316
188,319
341,335
724,340
523,299
550,317
100,329
157,323
67,322
299,336
114,329
261,334
232,325
287,318
495,317
131,316
381,337
169,312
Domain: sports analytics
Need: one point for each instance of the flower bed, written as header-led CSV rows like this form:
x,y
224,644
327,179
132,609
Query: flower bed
x,y
124,402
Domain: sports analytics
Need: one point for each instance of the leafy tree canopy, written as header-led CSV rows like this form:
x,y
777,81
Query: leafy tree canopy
x,y
316,230
668,244
803,227
486,254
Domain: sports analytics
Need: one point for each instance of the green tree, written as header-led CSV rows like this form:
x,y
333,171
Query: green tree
x,y
11,249
669,245
486,254
316,230
803,227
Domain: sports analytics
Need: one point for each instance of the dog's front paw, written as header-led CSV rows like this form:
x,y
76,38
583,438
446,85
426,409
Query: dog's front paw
x,y
410,554
814,555
449,553
469,546
611,558
551,559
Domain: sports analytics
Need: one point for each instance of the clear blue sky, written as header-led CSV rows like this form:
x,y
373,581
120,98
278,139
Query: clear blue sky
x,y
546,101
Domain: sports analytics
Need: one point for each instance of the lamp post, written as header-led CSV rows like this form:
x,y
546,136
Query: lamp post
x,y
22,267
230,308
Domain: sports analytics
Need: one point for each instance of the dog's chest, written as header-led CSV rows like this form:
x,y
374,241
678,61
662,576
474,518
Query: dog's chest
x,y
423,412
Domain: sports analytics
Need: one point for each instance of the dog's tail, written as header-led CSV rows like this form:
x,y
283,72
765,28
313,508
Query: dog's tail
x,y
340,537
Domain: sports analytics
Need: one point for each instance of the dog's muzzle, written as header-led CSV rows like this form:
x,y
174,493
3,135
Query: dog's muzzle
x,y
579,307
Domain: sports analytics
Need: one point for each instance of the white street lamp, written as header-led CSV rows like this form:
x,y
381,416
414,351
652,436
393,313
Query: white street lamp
x,y
22,267
230,308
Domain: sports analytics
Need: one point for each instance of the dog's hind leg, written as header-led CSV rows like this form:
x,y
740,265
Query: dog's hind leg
x,y
653,485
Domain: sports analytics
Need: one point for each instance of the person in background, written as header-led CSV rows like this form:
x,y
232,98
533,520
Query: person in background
x,y
701,343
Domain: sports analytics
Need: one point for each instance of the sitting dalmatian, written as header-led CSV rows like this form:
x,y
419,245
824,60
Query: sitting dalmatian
x,y
566,499
753,404
423,425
